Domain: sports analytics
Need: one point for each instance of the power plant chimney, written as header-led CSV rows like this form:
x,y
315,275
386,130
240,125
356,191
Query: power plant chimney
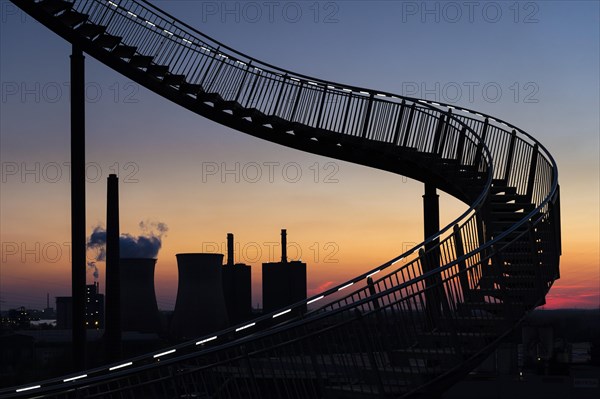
x,y
237,287
200,306
283,246
230,261
112,332
139,310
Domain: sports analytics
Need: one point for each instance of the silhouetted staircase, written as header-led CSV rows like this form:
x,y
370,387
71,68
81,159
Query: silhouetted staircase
x,y
405,332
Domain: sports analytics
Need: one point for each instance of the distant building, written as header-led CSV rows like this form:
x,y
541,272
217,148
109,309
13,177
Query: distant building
x,y
94,309
94,306
284,283
237,287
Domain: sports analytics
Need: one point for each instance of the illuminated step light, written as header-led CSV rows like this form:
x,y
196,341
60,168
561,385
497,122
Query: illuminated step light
x,y
164,353
381,95
331,87
346,286
206,340
423,101
150,23
282,313
435,104
240,62
315,300
222,55
258,69
132,14
112,4
205,49
465,110
120,366
244,327
167,32
75,378
374,273
451,107
312,83
492,119
28,388
295,79
364,92
187,41
347,90
478,114
397,260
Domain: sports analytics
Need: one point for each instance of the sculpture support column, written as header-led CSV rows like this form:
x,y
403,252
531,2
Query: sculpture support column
x,y
78,235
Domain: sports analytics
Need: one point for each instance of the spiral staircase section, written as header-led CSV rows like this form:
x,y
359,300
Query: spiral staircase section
x,y
411,327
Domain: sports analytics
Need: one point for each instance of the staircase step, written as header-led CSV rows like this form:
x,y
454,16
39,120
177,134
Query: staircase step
x,y
90,30
55,6
141,61
158,71
174,80
123,51
72,18
108,41
503,189
190,88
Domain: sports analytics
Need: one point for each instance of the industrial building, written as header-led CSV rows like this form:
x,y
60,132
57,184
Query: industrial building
x,y
200,306
284,283
237,287
139,310
94,309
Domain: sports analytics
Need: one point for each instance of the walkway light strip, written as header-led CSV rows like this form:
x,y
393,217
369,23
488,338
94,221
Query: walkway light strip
x,y
240,62
331,87
312,83
295,79
112,4
315,300
167,32
347,90
75,378
120,366
132,14
435,104
150,23
187,41
372,274
204,48
28,388
282,313
364,92
206,340
346,286
165,353
244,327
381,95
397,260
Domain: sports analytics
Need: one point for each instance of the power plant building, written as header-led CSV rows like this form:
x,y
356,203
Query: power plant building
x,y
139,310
284,283
237,287
200,306
94,309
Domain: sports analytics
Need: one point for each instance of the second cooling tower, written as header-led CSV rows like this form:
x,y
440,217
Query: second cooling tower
x,y
200,306
139,311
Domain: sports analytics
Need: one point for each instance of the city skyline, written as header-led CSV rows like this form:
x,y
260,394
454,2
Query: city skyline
x,y
370,216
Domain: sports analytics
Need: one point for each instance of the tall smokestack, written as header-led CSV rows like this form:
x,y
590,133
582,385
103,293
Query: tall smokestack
x,y
47,300
112,333
283,246
230,249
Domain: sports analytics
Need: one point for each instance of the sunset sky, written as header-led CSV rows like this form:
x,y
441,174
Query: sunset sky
x,y
534,64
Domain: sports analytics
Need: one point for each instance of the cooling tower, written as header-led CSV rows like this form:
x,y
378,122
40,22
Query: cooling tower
x,y
139,311
200,307
237,287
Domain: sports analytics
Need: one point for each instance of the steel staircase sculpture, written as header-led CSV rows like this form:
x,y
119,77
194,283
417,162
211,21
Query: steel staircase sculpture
x,y
408,328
